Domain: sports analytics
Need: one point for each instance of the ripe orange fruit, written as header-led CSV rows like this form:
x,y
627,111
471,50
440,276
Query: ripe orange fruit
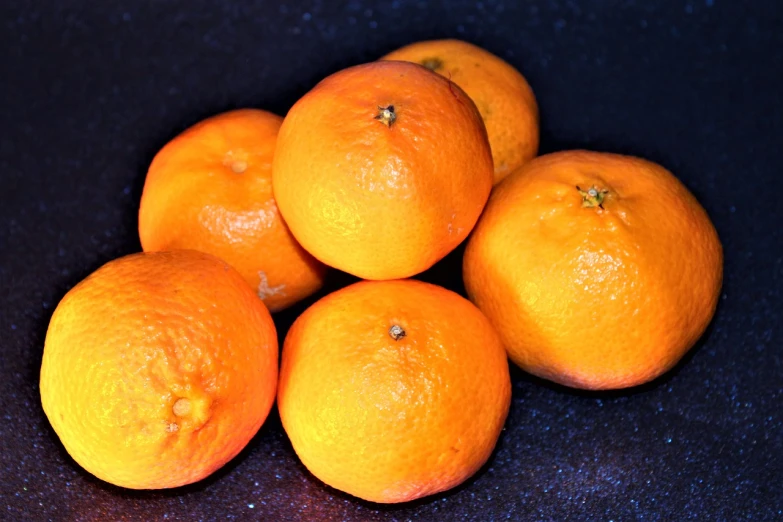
x,y
599,271
393,390
382,169
210,189
502,95
158,368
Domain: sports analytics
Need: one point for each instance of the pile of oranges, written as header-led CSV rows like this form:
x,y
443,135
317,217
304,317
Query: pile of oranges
x,y
593,270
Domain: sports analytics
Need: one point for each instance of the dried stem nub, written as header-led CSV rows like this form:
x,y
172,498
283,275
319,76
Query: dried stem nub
x,y
433,64
593,197
386,115
396,332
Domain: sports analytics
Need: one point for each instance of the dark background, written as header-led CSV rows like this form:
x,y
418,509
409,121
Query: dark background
x,y
89,91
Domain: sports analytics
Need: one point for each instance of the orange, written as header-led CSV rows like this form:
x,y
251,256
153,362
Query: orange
x,y
382,169
393,390
210,189
502,95
599,271
158,368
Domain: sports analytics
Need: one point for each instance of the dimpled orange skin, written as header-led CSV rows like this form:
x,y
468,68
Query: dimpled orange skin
x,y
382,200
158,369
393,420
210,189
589,297
503,96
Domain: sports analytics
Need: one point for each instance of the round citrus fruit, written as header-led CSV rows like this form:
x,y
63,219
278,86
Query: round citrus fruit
x,y
210,189
502,95
599,271
382,169
158,368
393,390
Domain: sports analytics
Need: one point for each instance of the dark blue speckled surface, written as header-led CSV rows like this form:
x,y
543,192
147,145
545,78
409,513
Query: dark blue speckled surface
x,y
90,90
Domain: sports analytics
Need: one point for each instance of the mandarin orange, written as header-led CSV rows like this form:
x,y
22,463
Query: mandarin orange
x,y
210,189
598,270
159,368
382,169
393,390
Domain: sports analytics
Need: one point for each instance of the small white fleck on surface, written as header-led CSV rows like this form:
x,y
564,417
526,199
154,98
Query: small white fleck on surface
x,y
264,290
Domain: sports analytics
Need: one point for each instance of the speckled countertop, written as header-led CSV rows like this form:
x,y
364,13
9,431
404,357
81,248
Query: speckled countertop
x,y
90,90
